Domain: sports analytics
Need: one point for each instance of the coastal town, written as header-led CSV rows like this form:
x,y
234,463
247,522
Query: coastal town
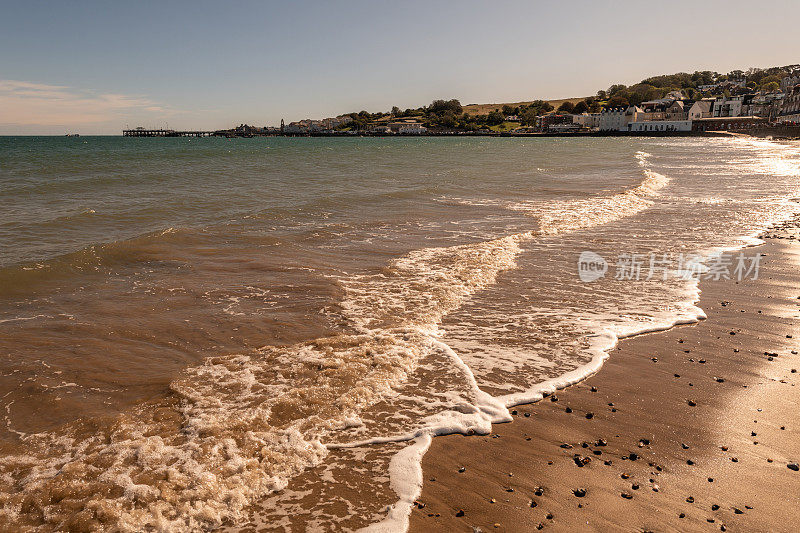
x,y
766,100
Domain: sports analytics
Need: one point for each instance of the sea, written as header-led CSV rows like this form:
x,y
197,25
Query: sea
x,y
210,333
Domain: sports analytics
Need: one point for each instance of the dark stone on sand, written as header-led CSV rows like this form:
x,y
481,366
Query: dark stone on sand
x,y
514,412
684,446
689,462
580,493
627,496
509,489
633,456
568,410
625,475
538,491
527,415
593,389
690,499
793,466
719,380
580,460
691,403
602,442
736,510
554,398
462,470
635,486
589,416
714,507
566,446
734,459
711,480
460,512
533,503
682,515
549,516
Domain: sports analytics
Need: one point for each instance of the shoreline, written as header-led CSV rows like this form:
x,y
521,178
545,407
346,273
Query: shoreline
x,y
468,483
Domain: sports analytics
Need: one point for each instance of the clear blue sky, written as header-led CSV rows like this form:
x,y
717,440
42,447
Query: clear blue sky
x,y
93,67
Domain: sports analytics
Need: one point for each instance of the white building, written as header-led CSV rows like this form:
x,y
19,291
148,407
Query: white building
x,y
408,127
587,120
790,107
700,109
614,119
728,107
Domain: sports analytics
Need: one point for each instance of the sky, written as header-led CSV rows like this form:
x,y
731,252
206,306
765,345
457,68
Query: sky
x,y
97,67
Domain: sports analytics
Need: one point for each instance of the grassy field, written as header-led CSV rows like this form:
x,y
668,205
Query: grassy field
x,y
485,109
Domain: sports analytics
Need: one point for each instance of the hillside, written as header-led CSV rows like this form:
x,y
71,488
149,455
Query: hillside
x,y
485,109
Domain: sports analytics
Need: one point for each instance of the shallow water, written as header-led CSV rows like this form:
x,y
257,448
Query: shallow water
x,y
189,325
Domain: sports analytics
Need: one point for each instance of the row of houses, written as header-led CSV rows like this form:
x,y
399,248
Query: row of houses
x,y
675,113
307,126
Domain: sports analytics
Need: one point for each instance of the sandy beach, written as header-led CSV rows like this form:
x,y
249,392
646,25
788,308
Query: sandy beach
x,y
692,429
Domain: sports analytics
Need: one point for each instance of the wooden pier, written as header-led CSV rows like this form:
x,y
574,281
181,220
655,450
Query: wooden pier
x,y
141,132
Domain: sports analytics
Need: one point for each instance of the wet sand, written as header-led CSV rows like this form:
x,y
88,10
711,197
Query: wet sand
x,y
693,429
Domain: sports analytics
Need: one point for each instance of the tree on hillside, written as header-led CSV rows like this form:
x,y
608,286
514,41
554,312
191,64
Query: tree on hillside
x,y
442,106
508,110
495,118
618,101
395,111
581,107
566,107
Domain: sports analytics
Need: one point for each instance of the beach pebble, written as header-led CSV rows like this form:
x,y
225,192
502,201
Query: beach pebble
x,y
602,442
684,446
568,410
460,512
714,507
580,493
793,466
462,470
633,456
589,416
691,403
690,499
627,495
538,491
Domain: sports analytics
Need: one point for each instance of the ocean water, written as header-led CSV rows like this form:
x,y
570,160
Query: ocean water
x,y
198,333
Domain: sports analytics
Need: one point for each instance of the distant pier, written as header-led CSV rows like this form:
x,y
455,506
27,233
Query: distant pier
x,y
141,132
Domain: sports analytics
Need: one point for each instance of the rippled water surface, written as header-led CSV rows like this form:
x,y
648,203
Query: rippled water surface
x,y
204,332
